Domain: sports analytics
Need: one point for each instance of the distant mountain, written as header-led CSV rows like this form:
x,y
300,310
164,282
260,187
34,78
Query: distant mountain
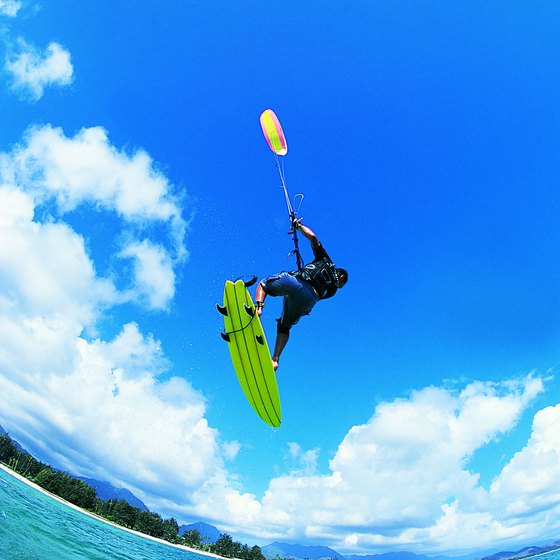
x,y
394,556
298,551
209,533
524,552
106,491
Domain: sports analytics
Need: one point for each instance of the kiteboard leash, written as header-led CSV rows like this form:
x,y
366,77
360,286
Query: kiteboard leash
x,y
249,310
222,309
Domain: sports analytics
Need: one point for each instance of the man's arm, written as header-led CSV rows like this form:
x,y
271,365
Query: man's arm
x,y
308,234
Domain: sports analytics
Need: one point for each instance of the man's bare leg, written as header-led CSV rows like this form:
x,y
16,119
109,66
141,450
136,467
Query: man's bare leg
x,y
281,341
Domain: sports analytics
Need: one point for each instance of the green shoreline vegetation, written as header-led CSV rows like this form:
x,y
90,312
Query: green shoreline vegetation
x,y
120,512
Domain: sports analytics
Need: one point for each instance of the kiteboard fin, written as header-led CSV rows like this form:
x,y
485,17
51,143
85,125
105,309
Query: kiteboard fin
x,y
249,282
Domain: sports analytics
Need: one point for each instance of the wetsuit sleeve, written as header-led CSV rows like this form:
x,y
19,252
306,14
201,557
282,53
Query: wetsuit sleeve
x,y
320,253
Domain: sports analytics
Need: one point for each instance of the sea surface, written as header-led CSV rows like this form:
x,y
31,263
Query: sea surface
x,y
34,526
553,555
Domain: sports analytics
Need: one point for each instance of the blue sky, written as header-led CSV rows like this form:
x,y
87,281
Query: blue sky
x,y
421,403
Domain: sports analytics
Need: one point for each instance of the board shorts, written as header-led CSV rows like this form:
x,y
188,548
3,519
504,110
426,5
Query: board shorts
x,y
299,297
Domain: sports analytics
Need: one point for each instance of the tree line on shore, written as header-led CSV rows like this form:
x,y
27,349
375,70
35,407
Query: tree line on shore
x,y
83,495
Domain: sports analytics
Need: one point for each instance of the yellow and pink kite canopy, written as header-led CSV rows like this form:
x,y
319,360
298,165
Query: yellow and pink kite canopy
x,y
273,133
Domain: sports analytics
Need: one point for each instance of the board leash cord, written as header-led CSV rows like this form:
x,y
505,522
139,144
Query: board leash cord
x,y
222,309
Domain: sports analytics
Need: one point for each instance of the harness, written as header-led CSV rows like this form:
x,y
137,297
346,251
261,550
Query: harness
x,y
321,275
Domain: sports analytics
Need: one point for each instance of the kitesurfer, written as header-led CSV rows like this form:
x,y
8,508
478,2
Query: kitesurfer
x,y
301,289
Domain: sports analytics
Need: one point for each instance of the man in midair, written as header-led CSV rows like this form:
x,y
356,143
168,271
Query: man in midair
x,y
301,289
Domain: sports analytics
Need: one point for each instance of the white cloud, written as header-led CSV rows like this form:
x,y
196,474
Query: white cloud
x,y
153,270
86,170
32,70
32,258
103,408
301,461
103,412
522,504
9,8
401,481
531,478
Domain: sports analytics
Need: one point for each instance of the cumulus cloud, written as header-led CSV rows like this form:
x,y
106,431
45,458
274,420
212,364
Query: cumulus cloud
x,y
32,70
9,8
45,268
530,479
63,173
106,408
301,461
153,271
101,408
87,168
401,480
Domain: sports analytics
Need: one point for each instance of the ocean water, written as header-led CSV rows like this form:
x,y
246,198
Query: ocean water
x,y
34,526
553,555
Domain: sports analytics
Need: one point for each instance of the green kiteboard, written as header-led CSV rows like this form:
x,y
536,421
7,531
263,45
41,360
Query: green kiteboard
x,y
249,352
